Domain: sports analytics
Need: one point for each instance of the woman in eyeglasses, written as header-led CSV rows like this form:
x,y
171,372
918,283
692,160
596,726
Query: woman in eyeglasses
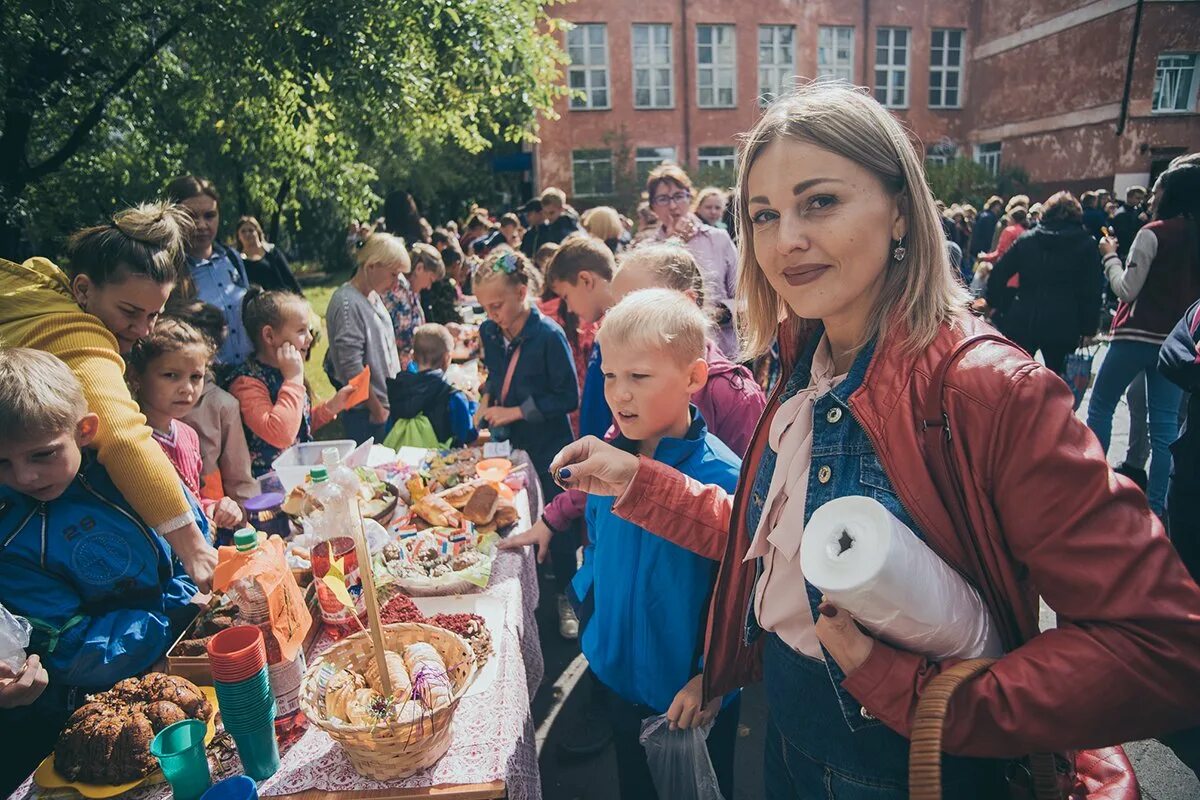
x,y
670,191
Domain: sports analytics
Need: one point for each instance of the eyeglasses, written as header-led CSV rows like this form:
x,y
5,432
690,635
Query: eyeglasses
x,y
667,199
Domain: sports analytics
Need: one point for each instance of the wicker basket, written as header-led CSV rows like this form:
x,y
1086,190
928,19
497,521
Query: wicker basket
x,y
392,750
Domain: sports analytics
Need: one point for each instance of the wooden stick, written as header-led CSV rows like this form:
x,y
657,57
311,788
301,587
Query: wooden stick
x,y
366,573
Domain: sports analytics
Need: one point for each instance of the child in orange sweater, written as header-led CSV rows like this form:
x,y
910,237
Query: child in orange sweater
x,y
276,410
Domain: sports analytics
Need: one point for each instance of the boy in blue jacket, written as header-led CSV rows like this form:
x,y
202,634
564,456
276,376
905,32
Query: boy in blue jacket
x,y
102,590
641,600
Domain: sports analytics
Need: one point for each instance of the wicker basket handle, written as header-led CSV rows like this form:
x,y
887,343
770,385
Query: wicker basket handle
x,y
925,748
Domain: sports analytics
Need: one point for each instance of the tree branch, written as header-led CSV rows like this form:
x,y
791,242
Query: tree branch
x,y
96,113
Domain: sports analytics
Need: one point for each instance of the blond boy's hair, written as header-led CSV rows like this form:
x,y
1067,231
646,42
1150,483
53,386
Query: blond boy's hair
x,y
431,342
383,248
552,196
39,395
657,318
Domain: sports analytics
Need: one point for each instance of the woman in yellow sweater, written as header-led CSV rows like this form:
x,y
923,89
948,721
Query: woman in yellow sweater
x,y
121,275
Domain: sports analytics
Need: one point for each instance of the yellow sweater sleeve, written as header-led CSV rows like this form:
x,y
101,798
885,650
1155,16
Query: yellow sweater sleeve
x,y
135,462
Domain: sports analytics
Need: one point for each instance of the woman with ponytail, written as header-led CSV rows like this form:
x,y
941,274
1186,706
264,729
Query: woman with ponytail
x,y
118,280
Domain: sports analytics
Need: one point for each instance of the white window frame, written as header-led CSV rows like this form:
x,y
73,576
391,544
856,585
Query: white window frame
x,y
646,60
829,40
721,160
777,73
890,66
595,75
721,76
1175,72
988,155
939,66
651,157
590,157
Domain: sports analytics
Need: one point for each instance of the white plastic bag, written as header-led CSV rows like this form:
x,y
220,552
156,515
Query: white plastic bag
x,y
14,638
679,761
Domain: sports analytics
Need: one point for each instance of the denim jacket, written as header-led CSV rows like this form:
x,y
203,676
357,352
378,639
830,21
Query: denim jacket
x,y
843,464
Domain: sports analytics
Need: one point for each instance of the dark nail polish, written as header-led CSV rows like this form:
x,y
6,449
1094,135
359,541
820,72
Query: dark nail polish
x,y
564,474
827,609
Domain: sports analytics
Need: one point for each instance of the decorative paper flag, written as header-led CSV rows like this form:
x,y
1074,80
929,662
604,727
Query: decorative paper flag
x,y
335,579
362,388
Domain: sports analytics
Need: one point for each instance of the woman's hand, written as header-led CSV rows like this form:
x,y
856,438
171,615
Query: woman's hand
x,y
1108,246
688,710
291,363
23,687
228,514
538,536
685,227
842,637
595,467
497,416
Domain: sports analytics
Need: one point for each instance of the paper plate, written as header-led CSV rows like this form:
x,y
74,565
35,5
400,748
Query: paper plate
x,y
47,776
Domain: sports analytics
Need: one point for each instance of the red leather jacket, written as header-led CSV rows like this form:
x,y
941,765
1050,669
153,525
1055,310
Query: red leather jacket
x,y
1124,661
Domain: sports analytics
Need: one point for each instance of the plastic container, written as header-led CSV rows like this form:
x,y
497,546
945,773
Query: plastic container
x,y
236,653
258,751
239,787
179,749
336,617
265,513
339,473
294,464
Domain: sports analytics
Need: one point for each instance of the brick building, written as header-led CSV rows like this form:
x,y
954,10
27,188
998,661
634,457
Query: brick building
x,y
1078,94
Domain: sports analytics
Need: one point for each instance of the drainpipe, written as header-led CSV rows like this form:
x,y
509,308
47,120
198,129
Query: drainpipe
x,y
687,85
868,74
1133,40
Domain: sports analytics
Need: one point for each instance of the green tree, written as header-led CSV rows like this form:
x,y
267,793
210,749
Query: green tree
x,y
286,104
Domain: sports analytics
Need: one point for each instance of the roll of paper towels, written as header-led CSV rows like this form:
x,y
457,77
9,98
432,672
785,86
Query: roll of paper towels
x,y
869,563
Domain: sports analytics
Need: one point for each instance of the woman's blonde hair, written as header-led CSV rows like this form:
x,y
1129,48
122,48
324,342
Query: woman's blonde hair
x,y
383,248
428,257
603,223
707,192
670,263
919,293
657,318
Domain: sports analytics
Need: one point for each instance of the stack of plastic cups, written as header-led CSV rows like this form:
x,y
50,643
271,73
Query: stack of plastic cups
x,y
179,749
238,657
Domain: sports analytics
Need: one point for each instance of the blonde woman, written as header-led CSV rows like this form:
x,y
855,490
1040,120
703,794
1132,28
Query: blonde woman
x,y
710,206
842,242
361,332
604,223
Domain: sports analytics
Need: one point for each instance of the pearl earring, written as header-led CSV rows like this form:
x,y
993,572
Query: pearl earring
x,y
900,251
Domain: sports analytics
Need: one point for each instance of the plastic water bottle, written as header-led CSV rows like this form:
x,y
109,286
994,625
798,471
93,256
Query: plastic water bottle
x,y
284,674
335,526
339,473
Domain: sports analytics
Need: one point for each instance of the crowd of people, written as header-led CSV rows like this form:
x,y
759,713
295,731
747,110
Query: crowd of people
x,y
690,386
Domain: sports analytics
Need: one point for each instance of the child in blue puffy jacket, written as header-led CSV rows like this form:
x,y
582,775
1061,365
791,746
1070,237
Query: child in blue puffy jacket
x,y
104,593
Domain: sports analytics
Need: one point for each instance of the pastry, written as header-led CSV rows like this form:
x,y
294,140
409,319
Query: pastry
x,y
459,495
431,683
506,514
107,740
397,674
482,506
437,512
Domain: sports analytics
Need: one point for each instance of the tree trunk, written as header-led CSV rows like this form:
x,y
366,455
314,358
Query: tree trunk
x,y
285,189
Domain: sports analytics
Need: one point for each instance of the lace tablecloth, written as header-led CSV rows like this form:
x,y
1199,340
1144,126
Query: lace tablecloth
x,y
493,735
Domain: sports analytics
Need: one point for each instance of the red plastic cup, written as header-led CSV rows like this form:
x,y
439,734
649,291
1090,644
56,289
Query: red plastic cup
x,y
237,653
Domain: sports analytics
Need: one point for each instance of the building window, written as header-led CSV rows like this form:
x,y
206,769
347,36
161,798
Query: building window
x,y
891,67
1175,83
647,158
715,74
653,85
940,154
776,60
592,172
945,68
835,53
587,46
718,158
989,156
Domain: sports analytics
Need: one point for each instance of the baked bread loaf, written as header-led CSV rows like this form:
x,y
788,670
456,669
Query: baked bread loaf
x,y
482,506
107,740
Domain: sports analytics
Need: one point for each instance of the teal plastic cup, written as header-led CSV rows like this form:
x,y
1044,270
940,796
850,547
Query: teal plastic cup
x,y
259,751
250,722
179,749
246,694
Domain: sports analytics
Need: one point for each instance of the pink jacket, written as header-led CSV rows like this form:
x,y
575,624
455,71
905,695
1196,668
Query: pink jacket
x,y
730,402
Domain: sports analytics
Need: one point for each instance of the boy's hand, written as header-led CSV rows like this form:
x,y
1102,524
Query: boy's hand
x,y
24,686
291,363
198,557
228,514
377,414
687,709
503,415
595,467
337,404
1108,246
539,536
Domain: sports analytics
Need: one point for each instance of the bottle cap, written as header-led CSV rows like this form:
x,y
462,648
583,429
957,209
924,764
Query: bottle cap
x,y
330,457
319,474
245,539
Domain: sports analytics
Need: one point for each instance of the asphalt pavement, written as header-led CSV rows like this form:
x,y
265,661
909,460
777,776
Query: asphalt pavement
x,y
559,709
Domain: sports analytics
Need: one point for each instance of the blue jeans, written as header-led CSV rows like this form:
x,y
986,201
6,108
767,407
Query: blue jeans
x,y
1124,362
812,753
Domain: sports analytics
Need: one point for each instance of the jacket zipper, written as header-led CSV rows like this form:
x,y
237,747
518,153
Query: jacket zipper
x,y
21,527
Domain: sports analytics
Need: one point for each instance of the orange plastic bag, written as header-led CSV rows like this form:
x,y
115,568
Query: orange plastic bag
x,y
267,565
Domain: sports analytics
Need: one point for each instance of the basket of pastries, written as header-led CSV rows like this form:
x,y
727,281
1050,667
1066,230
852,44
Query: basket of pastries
x,y
390,736
437,561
